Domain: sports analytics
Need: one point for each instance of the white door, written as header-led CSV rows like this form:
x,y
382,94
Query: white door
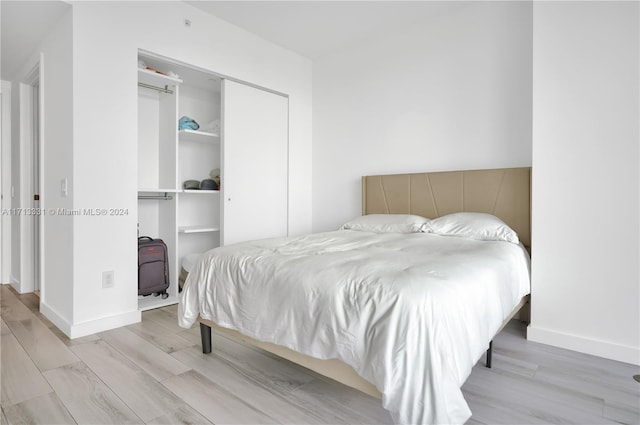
x,y
255,163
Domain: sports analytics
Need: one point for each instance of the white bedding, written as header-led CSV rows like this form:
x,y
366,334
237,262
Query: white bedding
x,y
411,313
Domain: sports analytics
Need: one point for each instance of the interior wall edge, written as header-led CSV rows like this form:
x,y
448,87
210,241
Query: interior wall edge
x,y
55,317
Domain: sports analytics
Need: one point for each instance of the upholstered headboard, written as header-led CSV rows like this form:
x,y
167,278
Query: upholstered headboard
x,y
503,192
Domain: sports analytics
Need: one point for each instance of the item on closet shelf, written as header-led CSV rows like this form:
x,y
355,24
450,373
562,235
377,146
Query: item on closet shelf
x,y
208,184
191,184
212,127
155,70
215,175
187,264
186,123
143,65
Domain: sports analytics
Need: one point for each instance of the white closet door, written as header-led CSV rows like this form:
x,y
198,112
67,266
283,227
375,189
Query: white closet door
x,y
255,163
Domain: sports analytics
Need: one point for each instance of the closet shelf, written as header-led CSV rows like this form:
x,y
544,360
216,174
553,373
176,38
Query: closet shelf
x,y
151,302
200,191
156,190
198,229
154,79
198,136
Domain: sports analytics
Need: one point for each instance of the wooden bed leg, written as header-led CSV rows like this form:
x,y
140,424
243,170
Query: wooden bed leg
x,y
205,335
489,351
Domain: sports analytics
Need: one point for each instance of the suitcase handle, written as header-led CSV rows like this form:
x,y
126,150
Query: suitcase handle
x,y
145,237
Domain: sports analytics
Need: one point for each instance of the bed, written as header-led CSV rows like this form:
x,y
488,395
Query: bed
x,y
399,303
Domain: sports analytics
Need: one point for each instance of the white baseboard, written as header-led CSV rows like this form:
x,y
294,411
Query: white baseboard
x,y
77,330
19,287
91,327
606,349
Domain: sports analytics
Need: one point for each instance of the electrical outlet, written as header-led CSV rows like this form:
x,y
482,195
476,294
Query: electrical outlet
x,y
107,279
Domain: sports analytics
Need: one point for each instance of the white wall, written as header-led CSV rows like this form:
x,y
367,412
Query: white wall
x,y
585,272
54,58
56,296
106,37
5,158
453,92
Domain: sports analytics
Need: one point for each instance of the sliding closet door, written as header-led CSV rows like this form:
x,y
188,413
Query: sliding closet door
x,y
255,163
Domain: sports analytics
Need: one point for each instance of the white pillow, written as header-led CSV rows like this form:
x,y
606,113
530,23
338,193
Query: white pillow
x,y
472,225
387,223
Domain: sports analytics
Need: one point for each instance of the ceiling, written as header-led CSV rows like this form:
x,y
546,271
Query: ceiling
x,y
315,28
310,28
23,24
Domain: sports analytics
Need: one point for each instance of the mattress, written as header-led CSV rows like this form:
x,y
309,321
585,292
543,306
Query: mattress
x,y
411,313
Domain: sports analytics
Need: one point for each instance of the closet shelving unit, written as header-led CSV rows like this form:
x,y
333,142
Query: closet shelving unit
x,y
187,220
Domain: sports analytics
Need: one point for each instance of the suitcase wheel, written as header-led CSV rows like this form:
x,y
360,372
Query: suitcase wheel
x,y
164,295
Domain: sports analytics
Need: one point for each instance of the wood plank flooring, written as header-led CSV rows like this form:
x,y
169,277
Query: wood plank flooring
x,y
154,373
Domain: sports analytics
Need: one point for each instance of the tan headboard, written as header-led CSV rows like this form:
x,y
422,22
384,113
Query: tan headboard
x,y
503,192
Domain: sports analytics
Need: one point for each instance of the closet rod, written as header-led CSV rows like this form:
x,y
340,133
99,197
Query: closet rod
x,y
164,197
160,89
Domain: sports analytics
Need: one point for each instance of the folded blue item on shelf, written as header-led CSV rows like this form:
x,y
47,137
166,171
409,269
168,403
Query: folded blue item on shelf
x,y
186,123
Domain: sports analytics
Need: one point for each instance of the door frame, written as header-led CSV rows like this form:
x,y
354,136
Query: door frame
x,y
28,120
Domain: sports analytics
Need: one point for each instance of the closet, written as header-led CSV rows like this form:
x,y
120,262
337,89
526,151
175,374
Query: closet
x,y
233,133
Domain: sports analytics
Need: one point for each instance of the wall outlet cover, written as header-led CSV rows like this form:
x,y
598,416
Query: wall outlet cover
x,y
107,279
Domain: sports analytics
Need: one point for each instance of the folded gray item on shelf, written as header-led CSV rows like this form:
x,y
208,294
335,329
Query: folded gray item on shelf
x,y
191,184
208,184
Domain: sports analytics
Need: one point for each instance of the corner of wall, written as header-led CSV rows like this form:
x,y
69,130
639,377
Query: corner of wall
x,y
77,330
55,317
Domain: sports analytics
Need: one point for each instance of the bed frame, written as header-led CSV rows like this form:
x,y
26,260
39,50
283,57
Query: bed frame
x,y
504,192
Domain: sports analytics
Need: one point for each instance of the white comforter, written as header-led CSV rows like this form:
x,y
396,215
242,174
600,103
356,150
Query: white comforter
x,y
411,313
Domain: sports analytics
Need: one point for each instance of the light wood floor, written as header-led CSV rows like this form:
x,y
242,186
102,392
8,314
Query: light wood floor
x,y
154,372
